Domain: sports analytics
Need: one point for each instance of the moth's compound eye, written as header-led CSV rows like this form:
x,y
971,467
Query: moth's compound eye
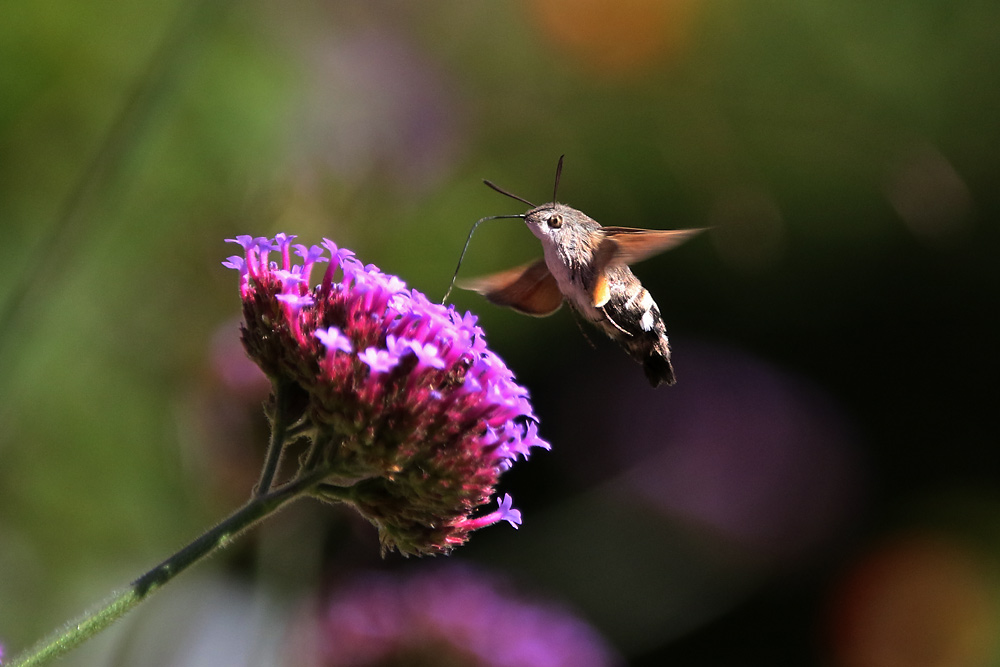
x,y
555,221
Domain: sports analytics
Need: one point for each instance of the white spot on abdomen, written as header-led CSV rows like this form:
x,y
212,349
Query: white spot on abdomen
x,y
647,320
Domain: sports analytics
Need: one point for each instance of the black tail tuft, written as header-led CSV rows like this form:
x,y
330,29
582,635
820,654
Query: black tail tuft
x,y
658,369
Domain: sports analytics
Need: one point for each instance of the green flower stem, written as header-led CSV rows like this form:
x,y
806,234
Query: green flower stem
x,y
279,428
92,622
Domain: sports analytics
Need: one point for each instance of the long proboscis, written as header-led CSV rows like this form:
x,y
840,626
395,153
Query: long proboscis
x,y
469,240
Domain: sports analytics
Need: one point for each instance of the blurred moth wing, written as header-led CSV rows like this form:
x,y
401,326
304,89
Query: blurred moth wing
x,y
530,289
623,246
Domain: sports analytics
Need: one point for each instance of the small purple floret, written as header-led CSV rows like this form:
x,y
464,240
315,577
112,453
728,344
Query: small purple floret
x,y
334,340
427,355
235,262
295,301
379,361
506,511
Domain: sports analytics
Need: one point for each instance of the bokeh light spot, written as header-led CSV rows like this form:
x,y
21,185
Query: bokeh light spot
x,y
919,601
615,37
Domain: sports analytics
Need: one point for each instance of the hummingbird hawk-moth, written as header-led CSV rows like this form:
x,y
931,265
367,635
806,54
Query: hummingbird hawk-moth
x,y
587,265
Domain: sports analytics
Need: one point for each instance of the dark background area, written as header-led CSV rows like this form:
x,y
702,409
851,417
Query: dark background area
x,y
822,486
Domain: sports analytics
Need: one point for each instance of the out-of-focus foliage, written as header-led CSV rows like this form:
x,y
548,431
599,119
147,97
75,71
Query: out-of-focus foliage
x,y
833,334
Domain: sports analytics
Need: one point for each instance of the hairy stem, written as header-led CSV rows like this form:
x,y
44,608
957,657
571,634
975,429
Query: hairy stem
x,y
90,623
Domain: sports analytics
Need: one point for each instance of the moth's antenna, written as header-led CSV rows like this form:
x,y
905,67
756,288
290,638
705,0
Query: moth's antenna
x,y
469,239
555,188
509,194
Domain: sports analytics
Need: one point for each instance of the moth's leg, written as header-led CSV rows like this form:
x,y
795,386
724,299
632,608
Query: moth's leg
x,y
615,324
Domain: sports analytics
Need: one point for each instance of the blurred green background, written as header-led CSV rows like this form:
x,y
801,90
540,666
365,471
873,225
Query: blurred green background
x,y
821,487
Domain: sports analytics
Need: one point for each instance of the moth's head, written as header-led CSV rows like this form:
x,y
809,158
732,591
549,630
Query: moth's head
x,y
558,223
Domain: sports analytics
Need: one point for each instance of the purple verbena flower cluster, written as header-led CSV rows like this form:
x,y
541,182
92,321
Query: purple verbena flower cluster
x,y
415,416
